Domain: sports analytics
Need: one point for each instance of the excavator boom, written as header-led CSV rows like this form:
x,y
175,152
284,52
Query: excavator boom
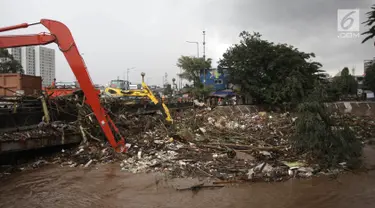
x,y
61,35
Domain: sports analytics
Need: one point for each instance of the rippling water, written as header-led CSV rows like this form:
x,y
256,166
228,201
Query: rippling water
x,y
106,186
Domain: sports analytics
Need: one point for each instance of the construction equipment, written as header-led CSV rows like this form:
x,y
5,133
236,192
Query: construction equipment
x,y
116,87
58,89
61,35
120,88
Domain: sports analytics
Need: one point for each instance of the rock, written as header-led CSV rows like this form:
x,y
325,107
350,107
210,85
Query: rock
x,y
265,153
250,174
203,130
244,156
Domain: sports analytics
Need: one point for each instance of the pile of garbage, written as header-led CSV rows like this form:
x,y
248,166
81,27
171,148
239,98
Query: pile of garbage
x,y
247,146
251,146
364,126
41,130
83,156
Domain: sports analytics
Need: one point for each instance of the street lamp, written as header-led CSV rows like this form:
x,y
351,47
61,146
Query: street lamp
x,y
197,46
127,73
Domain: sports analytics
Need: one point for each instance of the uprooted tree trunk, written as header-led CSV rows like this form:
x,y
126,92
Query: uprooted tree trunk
x,y
321,140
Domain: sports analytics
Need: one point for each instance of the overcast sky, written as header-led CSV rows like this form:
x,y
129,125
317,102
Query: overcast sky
x,y
150,35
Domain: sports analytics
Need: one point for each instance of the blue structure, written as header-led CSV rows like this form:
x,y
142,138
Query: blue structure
x,y
216,78
223,93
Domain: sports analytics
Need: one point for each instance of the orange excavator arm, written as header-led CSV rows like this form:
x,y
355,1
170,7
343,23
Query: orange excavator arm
x,y
61,35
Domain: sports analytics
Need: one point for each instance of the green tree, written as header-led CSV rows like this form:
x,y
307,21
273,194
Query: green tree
x,y
268,72
370,23
8,64
369,80
168,89
192,68
345,84
320,138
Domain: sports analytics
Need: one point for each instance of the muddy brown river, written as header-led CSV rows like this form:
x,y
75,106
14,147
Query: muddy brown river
x,y
106,186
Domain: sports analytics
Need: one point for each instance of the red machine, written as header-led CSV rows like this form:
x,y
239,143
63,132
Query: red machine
x,y
60,34
58,89
58,92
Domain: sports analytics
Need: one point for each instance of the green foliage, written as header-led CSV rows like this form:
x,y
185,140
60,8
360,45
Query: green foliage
x,y
320,140
168,89
5,53
202,92
192,67
369,80
270,73
370,23
10,65
345,84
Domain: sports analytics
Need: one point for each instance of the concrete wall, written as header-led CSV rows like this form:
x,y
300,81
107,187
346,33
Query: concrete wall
x,y
355,108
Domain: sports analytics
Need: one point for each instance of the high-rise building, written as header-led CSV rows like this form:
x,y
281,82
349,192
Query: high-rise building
x,y
16,53
37,61
46,64
26,57
29,61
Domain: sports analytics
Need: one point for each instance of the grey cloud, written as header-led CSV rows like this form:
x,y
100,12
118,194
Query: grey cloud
x,y
151,35
308,25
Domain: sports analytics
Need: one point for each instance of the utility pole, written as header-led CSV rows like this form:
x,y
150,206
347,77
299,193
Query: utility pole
x,y
179,80
204,57
127,73
204,45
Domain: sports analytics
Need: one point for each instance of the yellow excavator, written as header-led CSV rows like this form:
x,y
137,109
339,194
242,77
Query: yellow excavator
x,y
120,89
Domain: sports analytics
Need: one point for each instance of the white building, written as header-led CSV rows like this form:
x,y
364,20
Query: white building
x,y
26,57
37,61
45,63
17,54
29,61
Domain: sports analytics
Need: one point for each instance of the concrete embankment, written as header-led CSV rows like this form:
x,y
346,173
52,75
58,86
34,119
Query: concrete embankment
x,y
355,108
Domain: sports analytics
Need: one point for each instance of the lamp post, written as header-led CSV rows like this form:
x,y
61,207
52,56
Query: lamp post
x,y
197,53
127,73
197,46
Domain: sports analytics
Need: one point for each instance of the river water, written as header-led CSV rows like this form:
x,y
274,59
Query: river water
x,y
106,186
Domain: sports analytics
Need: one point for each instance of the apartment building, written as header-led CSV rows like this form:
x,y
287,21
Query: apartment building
x,y
46,65
26,57
29,61
36,61
16,53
